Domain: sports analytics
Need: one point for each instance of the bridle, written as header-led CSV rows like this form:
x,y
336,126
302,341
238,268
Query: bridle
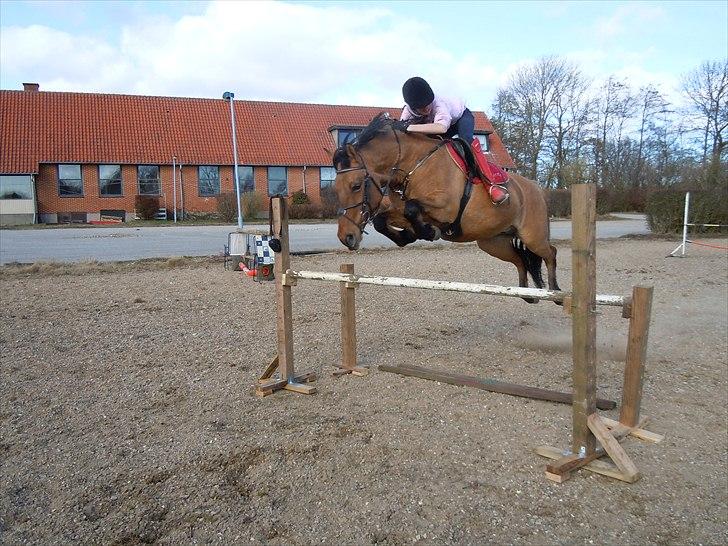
x,y
367,214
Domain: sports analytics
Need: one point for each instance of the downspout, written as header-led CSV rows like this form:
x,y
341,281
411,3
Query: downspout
x,y
35,200
304,179
181,190
174,185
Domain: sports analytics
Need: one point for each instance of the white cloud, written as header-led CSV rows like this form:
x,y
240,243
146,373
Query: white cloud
x,y
291,52
259,50
626,19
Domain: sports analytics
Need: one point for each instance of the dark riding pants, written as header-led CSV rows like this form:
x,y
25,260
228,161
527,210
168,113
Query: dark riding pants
x,y
463,127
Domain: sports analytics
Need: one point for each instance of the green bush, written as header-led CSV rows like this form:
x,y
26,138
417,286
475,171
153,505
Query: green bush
x,y
329,203
559,203
300,198
298,212
227,207
146,206
665,210
251,203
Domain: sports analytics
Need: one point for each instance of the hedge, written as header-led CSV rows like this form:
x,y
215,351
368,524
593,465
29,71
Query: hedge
x,y
666,208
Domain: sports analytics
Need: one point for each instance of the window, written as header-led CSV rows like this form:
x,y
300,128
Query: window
x,y
484,142
110,180
346,135
245,178
328,175
148,176
208,180
277,181
16,187
70,183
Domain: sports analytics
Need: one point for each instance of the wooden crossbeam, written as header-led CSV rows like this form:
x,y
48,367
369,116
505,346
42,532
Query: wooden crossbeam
x,y
491,385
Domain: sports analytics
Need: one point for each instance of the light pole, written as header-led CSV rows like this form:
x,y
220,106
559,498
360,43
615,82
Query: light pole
x,y
227,95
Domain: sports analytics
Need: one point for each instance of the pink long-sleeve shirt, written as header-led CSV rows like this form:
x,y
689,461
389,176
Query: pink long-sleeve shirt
x,y
444,111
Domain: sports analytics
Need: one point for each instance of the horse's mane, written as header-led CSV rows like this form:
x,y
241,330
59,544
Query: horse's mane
x,y
380,124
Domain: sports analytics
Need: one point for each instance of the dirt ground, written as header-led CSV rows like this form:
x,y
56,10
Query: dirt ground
x,y
126,414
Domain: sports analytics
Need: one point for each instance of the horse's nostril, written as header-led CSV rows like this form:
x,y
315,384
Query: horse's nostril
x,y
350,240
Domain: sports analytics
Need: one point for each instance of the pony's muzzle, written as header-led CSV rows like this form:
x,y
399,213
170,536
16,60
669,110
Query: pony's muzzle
x,y
351,242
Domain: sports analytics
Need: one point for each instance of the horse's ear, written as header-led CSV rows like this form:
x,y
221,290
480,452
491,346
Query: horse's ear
x,y
350,150
329,152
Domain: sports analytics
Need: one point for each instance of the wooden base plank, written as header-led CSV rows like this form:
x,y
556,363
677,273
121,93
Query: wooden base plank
x,y
638,431
572,461
558,478
270,369
612,447
300,388
359,371
598,466
490,385
267,387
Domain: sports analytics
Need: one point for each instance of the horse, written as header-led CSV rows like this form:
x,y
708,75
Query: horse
x,y
409,188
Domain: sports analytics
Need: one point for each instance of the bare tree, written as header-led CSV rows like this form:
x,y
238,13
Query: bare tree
x,y
568,121
652,107
537,116
615,106
706,88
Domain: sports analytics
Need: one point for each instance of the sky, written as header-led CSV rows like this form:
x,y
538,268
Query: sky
x,y
356,53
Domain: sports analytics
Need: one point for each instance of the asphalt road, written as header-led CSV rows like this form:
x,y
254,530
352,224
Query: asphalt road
x,y
124,244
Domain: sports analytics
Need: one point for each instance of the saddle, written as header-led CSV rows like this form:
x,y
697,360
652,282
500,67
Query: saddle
x,y
483,172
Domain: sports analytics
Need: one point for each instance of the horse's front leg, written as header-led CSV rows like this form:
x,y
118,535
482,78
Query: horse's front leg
x,y
399,237
413,212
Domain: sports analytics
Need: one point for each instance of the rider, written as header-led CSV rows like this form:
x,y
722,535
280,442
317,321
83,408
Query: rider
x,y
443,116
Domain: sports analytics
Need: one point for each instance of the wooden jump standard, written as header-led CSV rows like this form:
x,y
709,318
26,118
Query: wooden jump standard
x,y
588,426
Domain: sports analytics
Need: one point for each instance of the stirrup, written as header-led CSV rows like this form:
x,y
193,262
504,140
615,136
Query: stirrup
x,y
498,199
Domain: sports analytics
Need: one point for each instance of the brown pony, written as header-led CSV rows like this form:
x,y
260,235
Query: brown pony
x,y
409,188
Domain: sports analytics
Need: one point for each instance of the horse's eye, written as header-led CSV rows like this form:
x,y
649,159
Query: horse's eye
x,y
356,187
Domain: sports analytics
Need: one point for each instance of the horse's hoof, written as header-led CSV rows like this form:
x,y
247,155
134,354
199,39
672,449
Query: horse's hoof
x,y
436,233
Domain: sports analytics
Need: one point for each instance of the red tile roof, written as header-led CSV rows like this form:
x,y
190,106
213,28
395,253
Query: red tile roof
x,y
52,127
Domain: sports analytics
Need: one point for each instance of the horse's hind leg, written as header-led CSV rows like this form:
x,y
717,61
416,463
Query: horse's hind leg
x,y
551,269
502,248
541,247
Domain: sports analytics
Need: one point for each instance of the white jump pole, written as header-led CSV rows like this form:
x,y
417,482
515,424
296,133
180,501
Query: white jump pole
x,y
489,289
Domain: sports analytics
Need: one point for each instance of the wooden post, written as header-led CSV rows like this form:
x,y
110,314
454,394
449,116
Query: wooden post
x,y
583,251
639,326
588,426
287,378
284,307
348,327
348,320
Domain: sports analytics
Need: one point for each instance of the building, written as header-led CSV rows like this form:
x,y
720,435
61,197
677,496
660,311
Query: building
x,y
75,157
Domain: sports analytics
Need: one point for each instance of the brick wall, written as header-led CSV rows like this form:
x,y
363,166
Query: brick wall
x,y
51,203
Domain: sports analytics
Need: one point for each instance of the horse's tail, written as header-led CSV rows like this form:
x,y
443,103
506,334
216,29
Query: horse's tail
x,y
531,260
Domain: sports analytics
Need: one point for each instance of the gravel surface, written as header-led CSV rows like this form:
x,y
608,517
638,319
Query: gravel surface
x,y
126,414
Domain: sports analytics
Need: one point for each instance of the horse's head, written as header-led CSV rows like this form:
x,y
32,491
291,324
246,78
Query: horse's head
x,y
361,184
359,195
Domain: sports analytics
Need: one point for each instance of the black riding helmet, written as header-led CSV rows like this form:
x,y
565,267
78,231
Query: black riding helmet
x,y
417,93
